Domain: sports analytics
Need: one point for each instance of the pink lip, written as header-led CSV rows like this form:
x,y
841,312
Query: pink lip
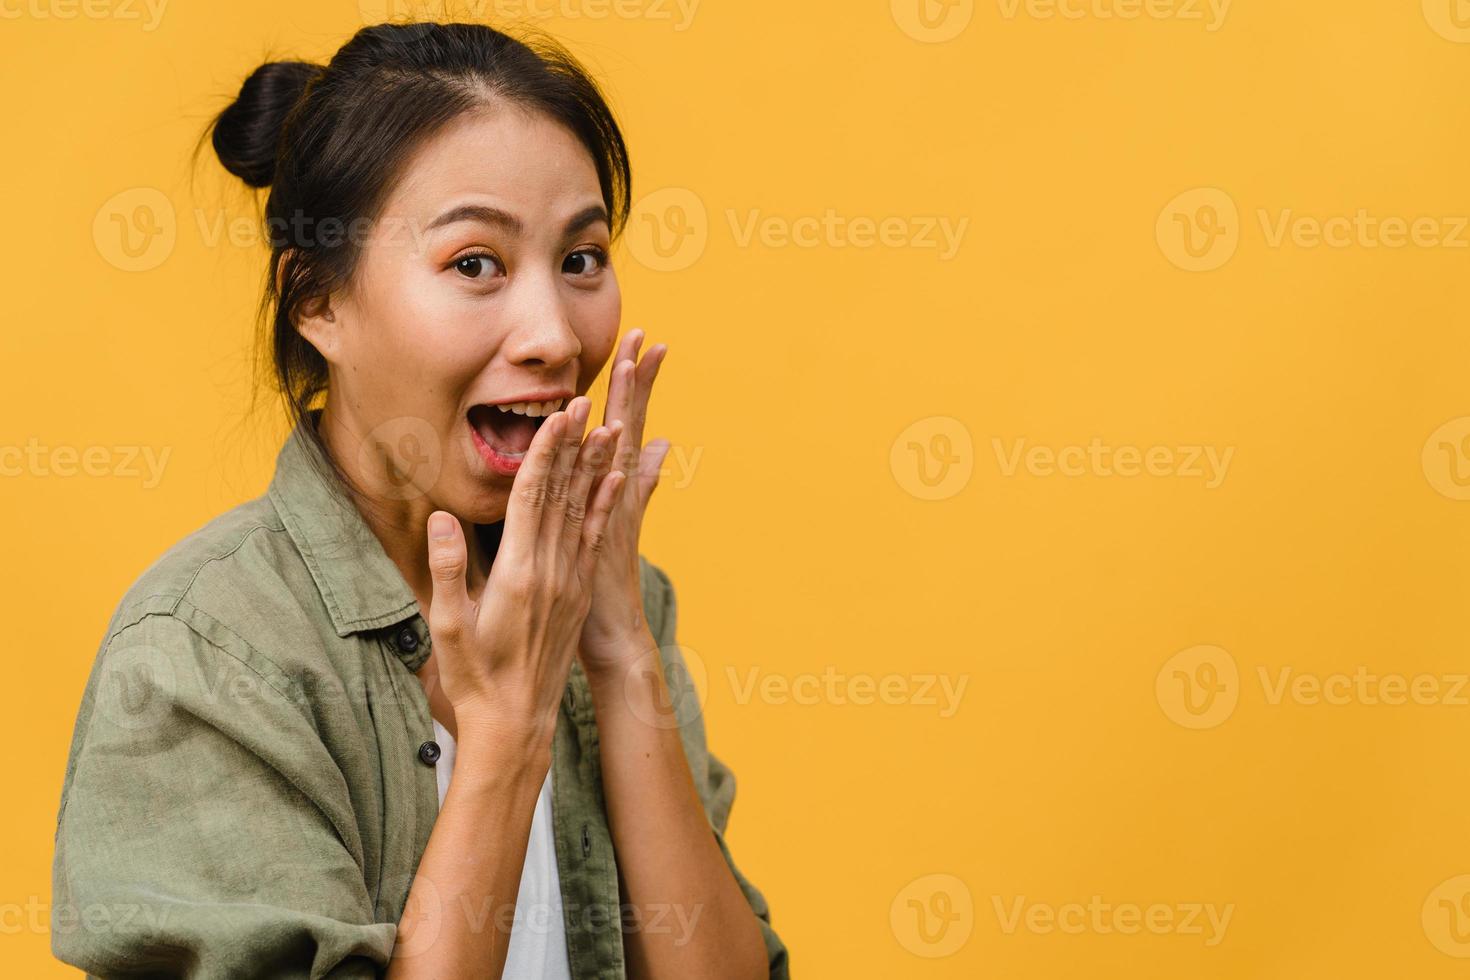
x,y
504,465
507,465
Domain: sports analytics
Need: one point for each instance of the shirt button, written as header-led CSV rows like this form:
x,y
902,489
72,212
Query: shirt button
x,y
407,640
429,752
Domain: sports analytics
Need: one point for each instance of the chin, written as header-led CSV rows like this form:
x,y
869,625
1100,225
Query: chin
x,y
486,504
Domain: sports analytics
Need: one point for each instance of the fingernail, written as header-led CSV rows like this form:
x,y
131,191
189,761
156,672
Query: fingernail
x,y
441,526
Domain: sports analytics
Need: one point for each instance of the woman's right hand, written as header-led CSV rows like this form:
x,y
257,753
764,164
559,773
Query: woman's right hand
x,y
503,660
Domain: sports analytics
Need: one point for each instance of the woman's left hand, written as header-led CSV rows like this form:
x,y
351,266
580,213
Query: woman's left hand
x,y
615,632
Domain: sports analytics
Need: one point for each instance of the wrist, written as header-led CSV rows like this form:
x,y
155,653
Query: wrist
x,y
509,733
608,661
489,753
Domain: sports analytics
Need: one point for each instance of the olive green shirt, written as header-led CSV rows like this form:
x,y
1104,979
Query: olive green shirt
x,y
248,790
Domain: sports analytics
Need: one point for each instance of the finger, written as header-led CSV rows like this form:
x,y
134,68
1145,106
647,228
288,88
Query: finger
x,y
627,351
594,461
559,479
619,390
449,606
644,376
631,343
594,531
527,504
650,466
621,400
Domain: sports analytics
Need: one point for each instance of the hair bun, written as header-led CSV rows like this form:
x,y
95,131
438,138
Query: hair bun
x,y
247,133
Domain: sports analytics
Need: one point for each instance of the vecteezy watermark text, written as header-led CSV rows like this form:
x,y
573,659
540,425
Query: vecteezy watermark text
x,y
127,462
1209,463
1211,13
833,687
1205,919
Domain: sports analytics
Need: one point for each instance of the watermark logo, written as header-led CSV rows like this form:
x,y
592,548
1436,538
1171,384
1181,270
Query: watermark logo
x,y
1199,230
1446,917
1450,19
423,910
668,230
400,458
136,687
135,230
1446,458
1198,687
932,21
676,697
933,458
933,916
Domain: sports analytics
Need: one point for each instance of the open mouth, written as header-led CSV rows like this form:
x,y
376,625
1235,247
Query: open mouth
x,y
502,433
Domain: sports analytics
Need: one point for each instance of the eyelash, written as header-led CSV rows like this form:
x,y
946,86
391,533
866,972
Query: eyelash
x,y
594,250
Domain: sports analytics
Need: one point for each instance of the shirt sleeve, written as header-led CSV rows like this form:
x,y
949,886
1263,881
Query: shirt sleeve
x,y
204,830
713,779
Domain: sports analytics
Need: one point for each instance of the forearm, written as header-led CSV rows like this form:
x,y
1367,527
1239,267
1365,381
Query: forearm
x,y
690,917
454,924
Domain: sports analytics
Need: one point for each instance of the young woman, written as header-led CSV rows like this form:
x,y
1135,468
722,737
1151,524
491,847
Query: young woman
x,y
443,578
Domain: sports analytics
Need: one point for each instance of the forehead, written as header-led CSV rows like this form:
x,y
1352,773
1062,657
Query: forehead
x,y
525,160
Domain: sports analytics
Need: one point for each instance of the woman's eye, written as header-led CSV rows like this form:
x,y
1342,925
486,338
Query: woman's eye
x,y
471,266
585,262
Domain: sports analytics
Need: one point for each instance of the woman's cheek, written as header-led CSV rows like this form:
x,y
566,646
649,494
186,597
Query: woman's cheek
x,y
602,316
433,322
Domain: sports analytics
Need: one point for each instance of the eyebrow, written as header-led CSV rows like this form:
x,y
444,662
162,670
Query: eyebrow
x,y
510,223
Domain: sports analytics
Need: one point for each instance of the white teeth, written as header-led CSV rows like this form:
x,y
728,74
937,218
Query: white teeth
x,y
532,409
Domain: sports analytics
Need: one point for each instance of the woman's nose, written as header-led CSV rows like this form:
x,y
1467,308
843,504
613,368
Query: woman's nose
x,y
540,325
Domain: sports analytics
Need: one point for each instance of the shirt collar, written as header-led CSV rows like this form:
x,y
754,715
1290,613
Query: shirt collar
x,y
359,583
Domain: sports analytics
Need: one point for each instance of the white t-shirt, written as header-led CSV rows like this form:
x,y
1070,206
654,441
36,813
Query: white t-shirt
x,y
538,939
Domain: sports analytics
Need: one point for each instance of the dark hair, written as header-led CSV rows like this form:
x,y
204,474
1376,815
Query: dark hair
x,y
330,142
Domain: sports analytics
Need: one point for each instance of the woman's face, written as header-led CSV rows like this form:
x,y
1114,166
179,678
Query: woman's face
x,y
484,283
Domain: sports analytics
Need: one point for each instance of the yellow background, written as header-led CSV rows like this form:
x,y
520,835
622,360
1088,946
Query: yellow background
x,y
818,393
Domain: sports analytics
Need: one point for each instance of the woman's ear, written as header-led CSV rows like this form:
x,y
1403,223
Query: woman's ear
x,y
315,321
318,324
